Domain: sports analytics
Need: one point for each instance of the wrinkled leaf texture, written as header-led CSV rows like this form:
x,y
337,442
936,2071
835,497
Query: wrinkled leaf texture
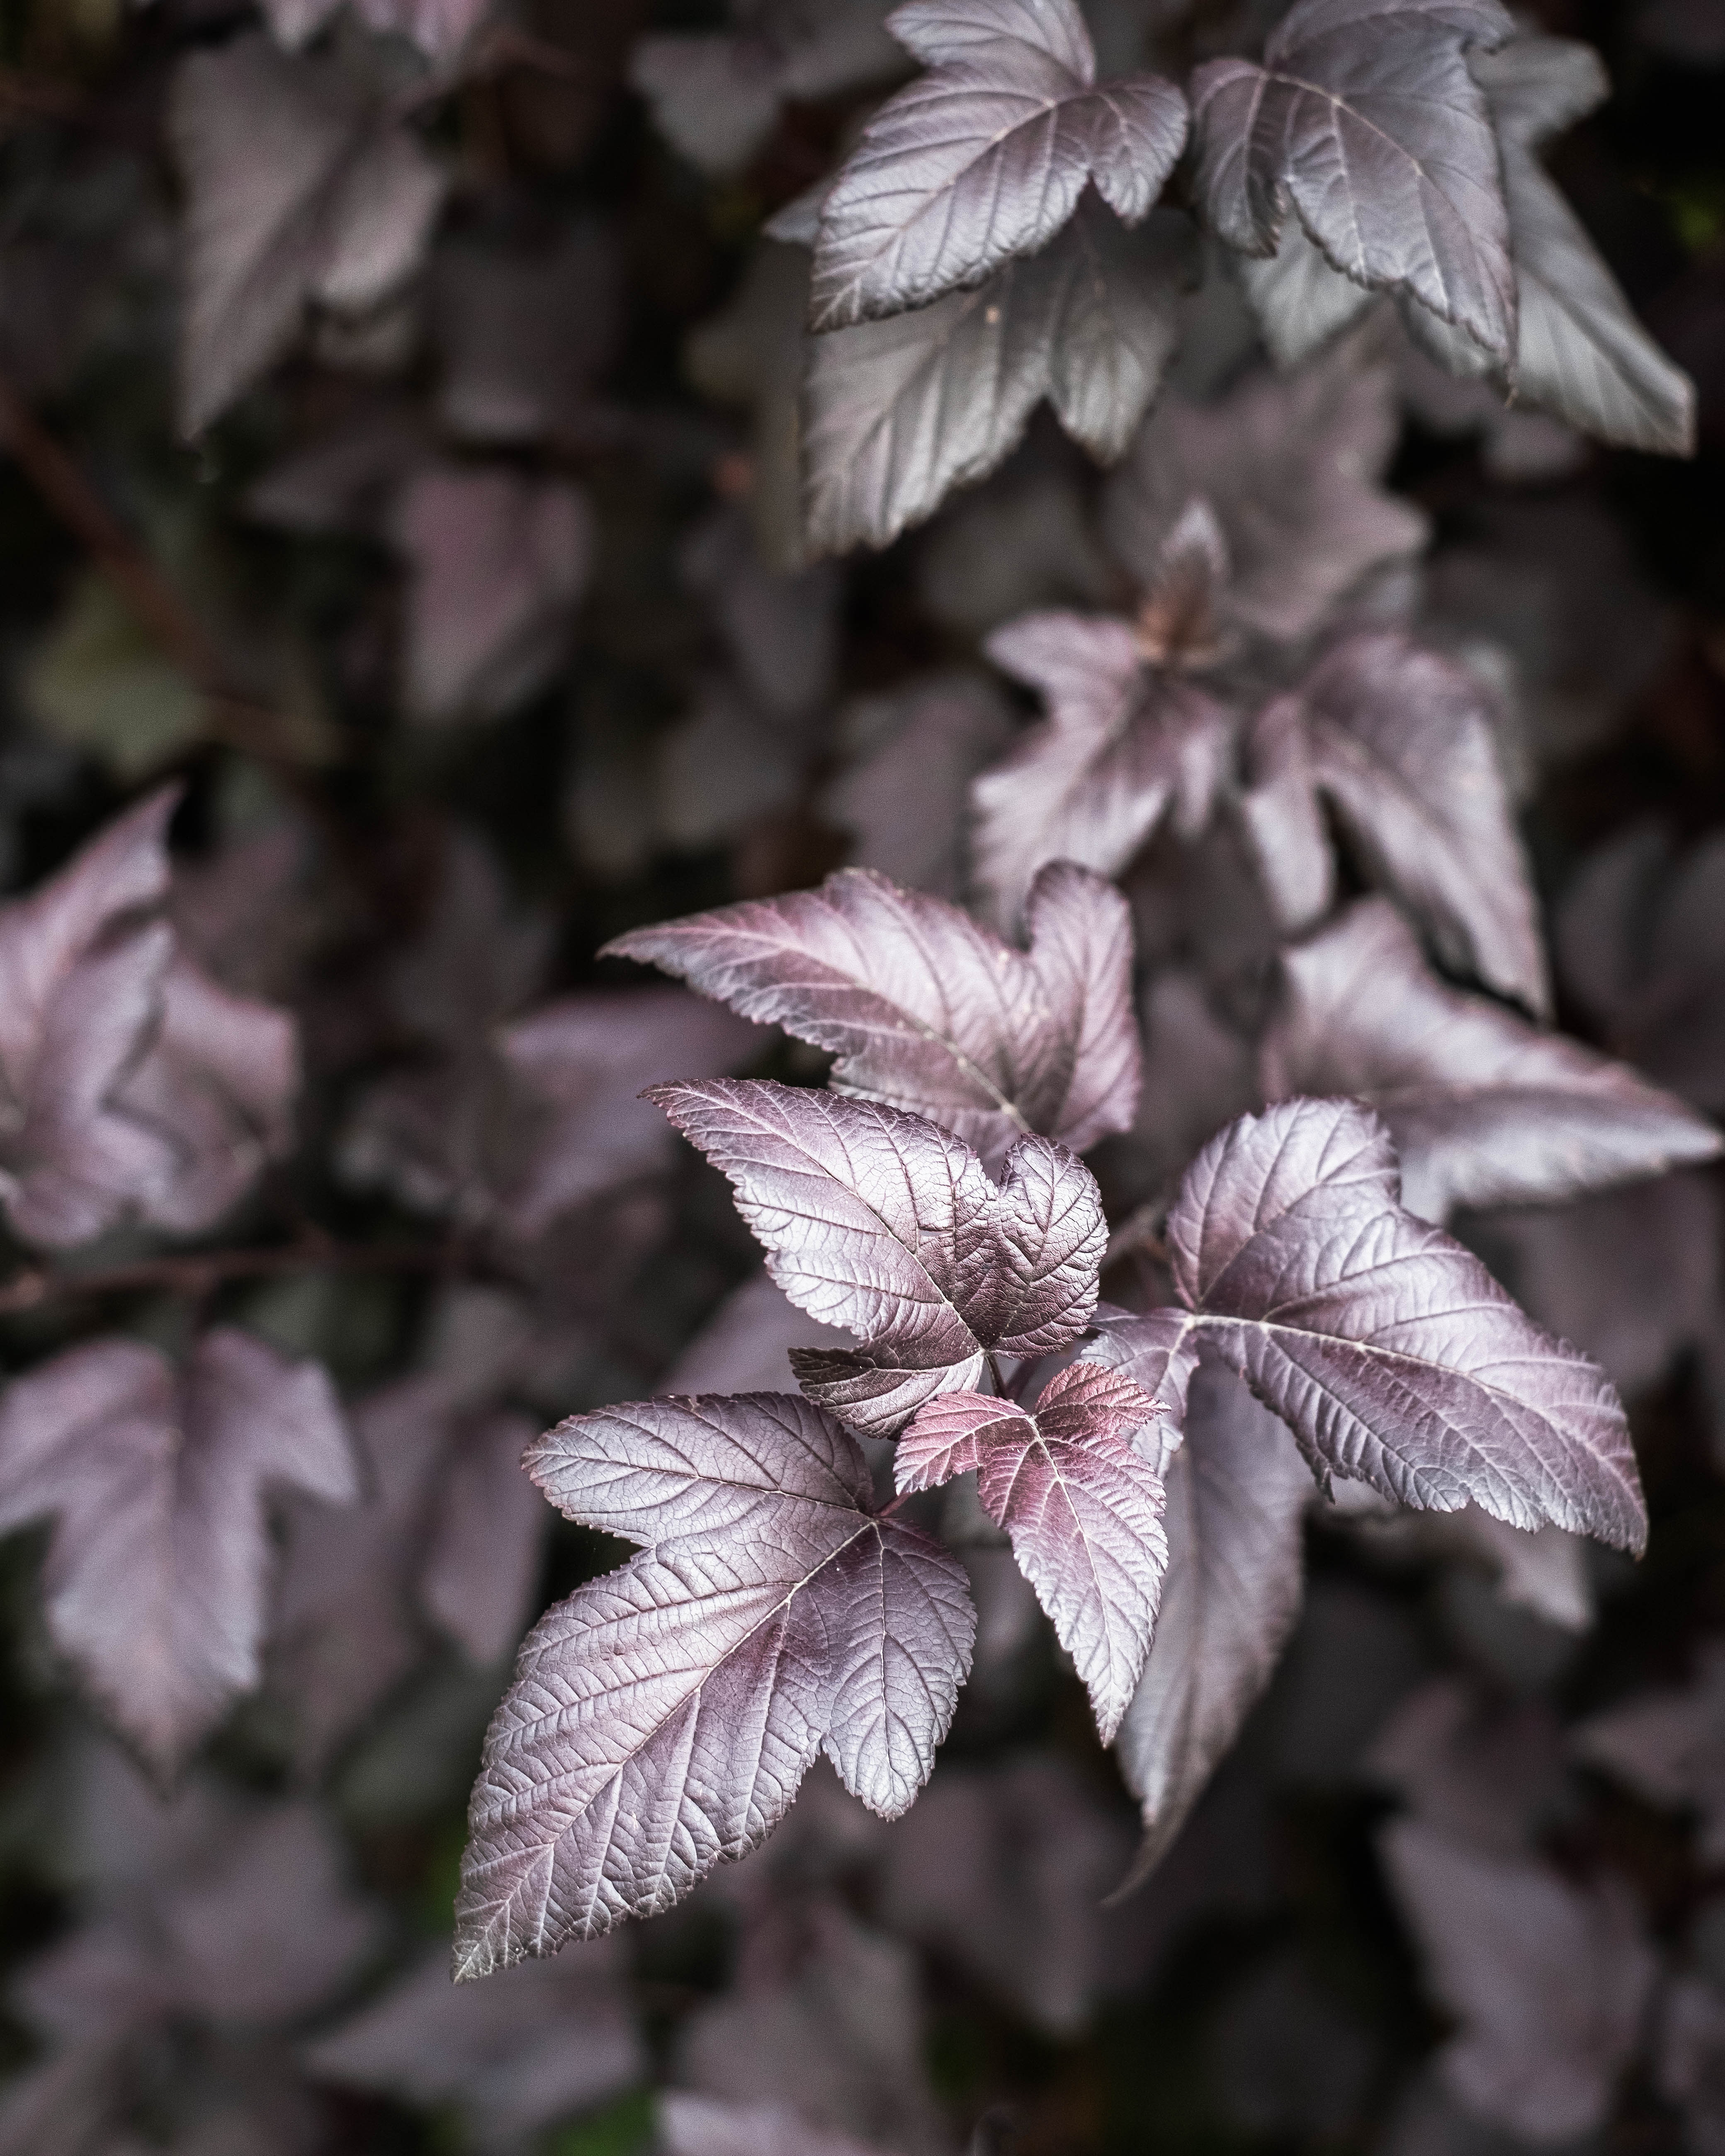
x,y
886,1225
662,1719
1082,1507
925,1010
985,157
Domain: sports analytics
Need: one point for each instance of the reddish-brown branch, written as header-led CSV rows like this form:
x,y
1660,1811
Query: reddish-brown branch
x,y
199,1273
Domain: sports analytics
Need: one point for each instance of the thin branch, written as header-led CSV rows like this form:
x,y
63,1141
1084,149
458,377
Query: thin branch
x,y
237,718
198,1274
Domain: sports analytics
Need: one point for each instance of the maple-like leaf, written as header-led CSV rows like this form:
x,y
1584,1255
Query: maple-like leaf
x,y
537,2043
155,1579
889,1226
1484,1109
1237,1495
301,187
1549,1980
496,563
1388,1349
1299,302
1668,1746
1364,117
218,1088
1082,1505
896,414
1124,745
1578,352
985,156
927,1011
81,970
774,1616
1399,743
1290,468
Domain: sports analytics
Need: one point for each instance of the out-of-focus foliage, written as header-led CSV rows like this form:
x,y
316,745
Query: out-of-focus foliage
x,y
1184,506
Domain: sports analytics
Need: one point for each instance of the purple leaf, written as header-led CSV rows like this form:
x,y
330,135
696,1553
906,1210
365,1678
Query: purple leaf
x,y
1122,747
438,27
1669,1747
745,1345
156,1576
1485,1770
1081,1504
928,1012
697,2126
1299,302
1364,116
487,1539
1484,1109
984,157
901,797
577,1067
772,1617
1549,1980
1388,1349
898,413
1289,466
1579,352
496,562
1400,743
217,1088
81,968
512,2055
780,629
1237,1495
299,188
889,1226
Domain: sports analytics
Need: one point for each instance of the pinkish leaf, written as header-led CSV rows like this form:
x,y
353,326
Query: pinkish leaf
x,y
487,1539
699,2126
301,187
1400,744
1289,467
1237,1495
1668,1746
925,1010
1365,117
81,969
1549,1980
1388,1349
1123,746
745,1346
155,1579
984,157
496,563
511,2055
218,1088
1081,1504
1484,1109
710,1669
889,1226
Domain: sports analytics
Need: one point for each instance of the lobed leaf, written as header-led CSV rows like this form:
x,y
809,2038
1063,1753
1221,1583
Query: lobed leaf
x,y
884,1223
985,157
896,414
928,1012
662,1719
1364,117
1484,1109
155,1579
1400,741
1388,1349
1123,746
1082,1505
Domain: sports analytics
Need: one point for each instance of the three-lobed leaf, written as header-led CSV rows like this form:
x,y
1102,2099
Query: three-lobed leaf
x,y
889,1226
985,157
1365,118
1385,1346
1484,1109
662,1719
1081,1504
925,1010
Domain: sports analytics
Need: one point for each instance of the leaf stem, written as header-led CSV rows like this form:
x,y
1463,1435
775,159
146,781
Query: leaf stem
x,y
198,1274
